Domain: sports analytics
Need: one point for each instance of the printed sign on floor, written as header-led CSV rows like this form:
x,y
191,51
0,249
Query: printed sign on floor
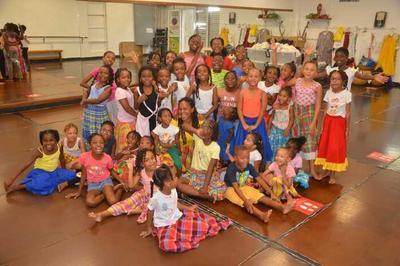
x,y
307,206
381,157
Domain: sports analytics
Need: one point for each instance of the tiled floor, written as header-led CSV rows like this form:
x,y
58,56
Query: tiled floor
x,y
358,225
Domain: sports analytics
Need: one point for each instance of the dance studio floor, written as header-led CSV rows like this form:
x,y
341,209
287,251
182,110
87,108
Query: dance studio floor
x,y
358,224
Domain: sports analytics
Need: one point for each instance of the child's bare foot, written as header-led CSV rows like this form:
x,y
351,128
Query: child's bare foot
x,y
266,216
62,186
288,206
95,216
332,180
325,175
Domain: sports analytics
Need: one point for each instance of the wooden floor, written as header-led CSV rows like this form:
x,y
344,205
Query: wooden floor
x,y
359,224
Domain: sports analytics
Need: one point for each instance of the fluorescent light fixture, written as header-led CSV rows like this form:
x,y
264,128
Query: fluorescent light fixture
x,y
214,9
201,24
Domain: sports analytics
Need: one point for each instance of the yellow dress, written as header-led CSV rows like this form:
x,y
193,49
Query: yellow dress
x,y
387,55
339,34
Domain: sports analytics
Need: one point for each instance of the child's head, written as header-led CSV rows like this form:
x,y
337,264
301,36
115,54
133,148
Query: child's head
x,y
154,60
163,77
253,141
108,58
253,77
107,130
163,178
106,75
170,56
242,156
229,113
217,46
288,71
209,130
230,80
48,139
240,52
271,74
338,80
194,42
282,156
71,131
164,116
284,95
341,57
133,139
247,65
146,142
146,76
179,68
202,74
295,145
22,28
123,77
310,69
96,142
146,159
187,110
217,63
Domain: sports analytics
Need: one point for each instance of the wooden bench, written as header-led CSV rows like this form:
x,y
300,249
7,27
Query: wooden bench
x,y
36,55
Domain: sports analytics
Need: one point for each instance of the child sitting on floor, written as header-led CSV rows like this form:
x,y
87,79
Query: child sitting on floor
x,y
97,169
107,132
166,137
146,163
279,177
178,227
46,174
295,145
238,178
73,146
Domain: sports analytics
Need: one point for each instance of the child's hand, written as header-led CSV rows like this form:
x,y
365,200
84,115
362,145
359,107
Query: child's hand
x,y
380,78
312,130
146,233
134,57
245,127
73,195
249,206
142,98
173,87
204,190
129,163
286,132
251,128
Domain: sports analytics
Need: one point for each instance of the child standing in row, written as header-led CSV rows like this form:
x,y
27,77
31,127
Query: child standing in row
x,y
46,174
252,103
147,99
96,168
204,94
240,56
281,120
165,88
270,87
307,105
217,73
94,102
332,146
177,227
126,117
182,83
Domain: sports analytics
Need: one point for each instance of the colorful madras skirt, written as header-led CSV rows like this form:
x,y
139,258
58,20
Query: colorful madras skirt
x,y
216,188
93,117
138,200
121,131
332,146
188,231
278,188
277,139
301,127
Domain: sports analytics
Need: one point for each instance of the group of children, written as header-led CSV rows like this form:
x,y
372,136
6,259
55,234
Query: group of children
x,y
242,139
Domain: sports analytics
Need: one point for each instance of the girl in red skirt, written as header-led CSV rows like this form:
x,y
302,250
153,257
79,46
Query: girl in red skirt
x,y
178,227
332,146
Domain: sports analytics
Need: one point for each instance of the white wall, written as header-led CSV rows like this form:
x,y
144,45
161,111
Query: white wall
x,y
68,18
350,14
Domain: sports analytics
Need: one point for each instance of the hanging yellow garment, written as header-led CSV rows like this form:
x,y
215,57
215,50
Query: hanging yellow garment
x,y
387,55
253,30
224,34
339,34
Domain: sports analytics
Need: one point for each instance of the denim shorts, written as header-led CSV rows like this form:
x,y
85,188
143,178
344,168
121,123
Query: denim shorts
x,y
100,185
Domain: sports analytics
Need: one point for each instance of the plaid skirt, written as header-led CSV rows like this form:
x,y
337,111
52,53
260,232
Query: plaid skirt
x,y
301,127
188,231
121,130
138,200
93,117
216,188
277,139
